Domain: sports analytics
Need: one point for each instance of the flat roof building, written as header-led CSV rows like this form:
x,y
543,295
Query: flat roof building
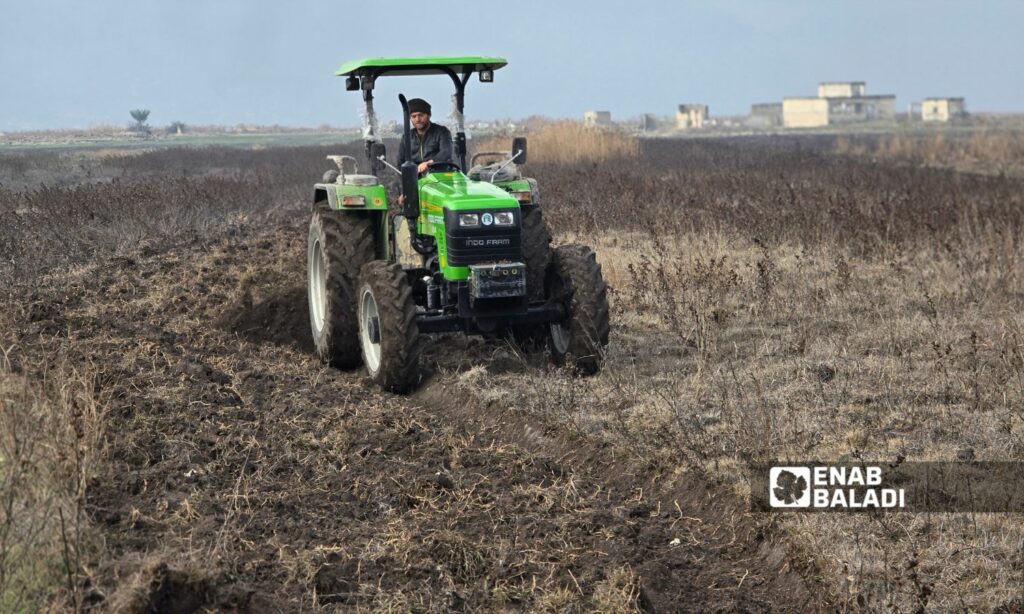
x,y
837,102
942,109
840,89
691,116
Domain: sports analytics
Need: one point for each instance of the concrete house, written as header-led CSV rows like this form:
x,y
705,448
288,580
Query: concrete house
x,y
841,89
942,109
804,112
691,116
837,102
597,118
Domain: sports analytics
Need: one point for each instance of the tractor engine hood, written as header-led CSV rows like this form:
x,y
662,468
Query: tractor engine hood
x,y
456,192
452,195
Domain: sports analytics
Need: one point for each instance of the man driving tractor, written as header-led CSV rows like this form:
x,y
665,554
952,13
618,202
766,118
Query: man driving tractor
x,y
431,143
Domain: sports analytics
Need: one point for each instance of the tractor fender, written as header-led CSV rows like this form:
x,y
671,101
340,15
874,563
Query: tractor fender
x,y
322,192
534,190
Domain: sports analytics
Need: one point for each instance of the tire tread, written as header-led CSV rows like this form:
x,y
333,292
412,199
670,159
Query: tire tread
x,y
400,337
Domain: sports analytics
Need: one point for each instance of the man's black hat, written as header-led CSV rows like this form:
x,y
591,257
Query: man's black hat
x,y
418,105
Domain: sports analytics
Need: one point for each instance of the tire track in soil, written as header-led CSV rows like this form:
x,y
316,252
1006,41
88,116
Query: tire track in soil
x,y
241,474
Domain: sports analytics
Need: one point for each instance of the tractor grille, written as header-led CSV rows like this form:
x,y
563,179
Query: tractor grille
x,y
483,243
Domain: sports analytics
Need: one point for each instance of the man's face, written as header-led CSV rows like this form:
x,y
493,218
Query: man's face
x,y
419,121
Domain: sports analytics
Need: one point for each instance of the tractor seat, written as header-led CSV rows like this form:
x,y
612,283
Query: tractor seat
x,y
362,180
483,172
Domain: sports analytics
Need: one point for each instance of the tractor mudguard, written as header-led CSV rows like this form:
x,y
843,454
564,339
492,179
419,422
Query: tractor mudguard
x,y
351,197
526,190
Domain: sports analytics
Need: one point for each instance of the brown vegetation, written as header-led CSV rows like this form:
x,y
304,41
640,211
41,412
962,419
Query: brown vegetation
x,y
771,301
570,142
988,150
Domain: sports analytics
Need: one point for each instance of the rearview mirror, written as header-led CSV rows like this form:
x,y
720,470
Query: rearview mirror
x,y
519,150
411,190
377,151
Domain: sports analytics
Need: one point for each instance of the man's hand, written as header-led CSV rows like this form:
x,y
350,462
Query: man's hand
x,y
401,199
423,166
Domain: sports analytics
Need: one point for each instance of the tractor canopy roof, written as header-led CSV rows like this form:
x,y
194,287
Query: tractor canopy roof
x,y
373,67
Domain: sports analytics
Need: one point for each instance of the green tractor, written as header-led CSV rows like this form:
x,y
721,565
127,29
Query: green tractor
x,y
481,261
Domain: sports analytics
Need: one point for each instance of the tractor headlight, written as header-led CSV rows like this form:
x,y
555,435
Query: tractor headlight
x,y
523,197
504,218
353,201
469,219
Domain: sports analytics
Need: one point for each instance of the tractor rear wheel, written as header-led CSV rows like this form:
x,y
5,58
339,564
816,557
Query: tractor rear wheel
x,y
387,326
575,277
339,244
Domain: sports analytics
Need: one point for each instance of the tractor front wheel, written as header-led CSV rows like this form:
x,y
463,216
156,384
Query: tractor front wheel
x,y
575,278
387,326
536,242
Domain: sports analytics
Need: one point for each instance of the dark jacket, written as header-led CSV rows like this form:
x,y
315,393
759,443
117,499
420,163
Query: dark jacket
x,y
436,145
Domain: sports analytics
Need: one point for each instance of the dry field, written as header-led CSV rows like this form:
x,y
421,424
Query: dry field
x,y
167,442
988,149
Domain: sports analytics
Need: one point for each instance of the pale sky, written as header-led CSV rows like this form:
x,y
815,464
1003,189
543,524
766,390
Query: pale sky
x,y
77,64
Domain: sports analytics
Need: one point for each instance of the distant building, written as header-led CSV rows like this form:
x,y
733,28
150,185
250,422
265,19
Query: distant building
x,y
648,122
691,116
765,115
841,89
837,102
804,112
597,118
942,109
861,109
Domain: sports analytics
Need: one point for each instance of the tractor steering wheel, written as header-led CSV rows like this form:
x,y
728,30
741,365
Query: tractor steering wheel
x,y
440,167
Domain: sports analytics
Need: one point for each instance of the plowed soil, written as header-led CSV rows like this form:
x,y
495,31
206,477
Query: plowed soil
x,y
240,473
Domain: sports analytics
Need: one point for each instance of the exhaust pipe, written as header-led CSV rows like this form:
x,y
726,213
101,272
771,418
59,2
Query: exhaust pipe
x,y
410,175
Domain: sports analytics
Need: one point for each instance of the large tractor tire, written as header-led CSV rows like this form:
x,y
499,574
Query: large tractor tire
x,y
340,243
575,277
387,326
536,246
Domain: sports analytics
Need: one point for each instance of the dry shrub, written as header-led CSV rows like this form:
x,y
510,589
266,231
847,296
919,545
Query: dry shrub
x,y
569,142
49,442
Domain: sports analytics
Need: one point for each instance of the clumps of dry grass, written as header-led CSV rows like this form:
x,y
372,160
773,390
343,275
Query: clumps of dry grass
x,y
778,194
50,440
827,355
985,150
82,209
570,142
620,591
